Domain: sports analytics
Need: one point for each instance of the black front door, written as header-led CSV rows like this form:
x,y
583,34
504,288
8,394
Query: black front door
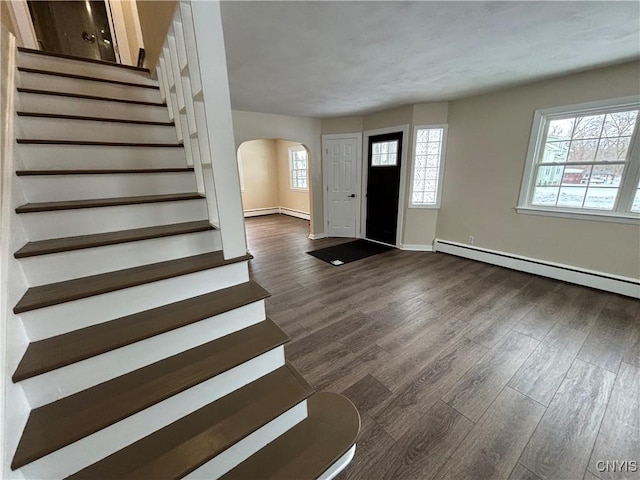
x,y
383,186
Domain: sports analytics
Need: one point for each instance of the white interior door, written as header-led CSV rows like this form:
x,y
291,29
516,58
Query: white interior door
x,y
342,185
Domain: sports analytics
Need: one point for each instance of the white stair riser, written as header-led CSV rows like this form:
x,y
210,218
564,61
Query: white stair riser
x,y
38,103
89,450
74,378
63,65
71,157
55,83
58,267
339,465
53,188
85,221
66,317
249,445
82,130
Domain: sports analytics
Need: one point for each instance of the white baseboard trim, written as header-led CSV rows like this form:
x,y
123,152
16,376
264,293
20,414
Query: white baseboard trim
x,y
295,213
417,248
256,212
589,278
317,236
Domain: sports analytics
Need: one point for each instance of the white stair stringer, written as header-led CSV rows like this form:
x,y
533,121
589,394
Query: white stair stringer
x,y
56,83
72,157
41,103
93,448
233,456
85,221
93,131
69,316
55,188
79,67
14,408
62,382
62,266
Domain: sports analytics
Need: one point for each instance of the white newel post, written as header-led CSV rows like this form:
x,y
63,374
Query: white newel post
x,y
194,81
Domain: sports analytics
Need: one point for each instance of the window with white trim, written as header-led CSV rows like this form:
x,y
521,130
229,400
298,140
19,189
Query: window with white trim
x,y
298,168
428,163
384,154
584,160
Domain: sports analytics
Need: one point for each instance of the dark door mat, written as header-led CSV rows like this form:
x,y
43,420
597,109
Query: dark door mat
x,y
349,252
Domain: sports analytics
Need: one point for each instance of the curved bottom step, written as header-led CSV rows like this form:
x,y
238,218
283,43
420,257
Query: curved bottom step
x,y
310,449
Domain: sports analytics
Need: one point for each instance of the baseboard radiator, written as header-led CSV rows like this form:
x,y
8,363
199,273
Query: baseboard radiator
x,y
589,278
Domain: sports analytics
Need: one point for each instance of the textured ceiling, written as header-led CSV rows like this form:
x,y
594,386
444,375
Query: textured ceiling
x,y
325,59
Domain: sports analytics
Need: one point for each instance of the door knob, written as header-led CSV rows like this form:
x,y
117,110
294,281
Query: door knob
x,y
353,195
88,37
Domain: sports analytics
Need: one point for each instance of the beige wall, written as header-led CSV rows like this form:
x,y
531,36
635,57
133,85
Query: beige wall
x,y
5,19
340,125
130,12
259,174
293,199
265,175
388,118
486,151
155,18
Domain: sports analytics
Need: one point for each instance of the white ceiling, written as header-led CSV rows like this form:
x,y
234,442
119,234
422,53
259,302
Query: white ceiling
x,y
324,59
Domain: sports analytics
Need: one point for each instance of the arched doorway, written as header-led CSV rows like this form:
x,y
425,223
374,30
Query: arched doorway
x,y
275,178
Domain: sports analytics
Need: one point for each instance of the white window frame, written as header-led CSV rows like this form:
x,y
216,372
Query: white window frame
x,y
382,165
630,179
443,151
291,151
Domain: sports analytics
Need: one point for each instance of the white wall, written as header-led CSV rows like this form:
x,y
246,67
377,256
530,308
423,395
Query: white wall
x,y
14,408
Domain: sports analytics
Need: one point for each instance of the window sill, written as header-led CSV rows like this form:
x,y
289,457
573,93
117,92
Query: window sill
x,y
428,207
589,216
299,189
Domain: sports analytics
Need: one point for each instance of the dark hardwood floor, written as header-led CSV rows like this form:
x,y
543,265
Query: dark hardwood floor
x,y
459,369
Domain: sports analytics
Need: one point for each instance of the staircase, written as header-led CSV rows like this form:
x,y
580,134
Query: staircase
x,y
149,352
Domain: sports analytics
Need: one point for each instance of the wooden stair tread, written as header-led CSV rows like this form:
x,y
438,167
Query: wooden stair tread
x,y
41,141
69,419
308,449
60,292
56,245
31,173
85,77
94,119
55,352
89,97
188,443
81,59
105,202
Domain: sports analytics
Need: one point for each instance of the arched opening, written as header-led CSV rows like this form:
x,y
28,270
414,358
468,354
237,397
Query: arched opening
x,y
275,179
